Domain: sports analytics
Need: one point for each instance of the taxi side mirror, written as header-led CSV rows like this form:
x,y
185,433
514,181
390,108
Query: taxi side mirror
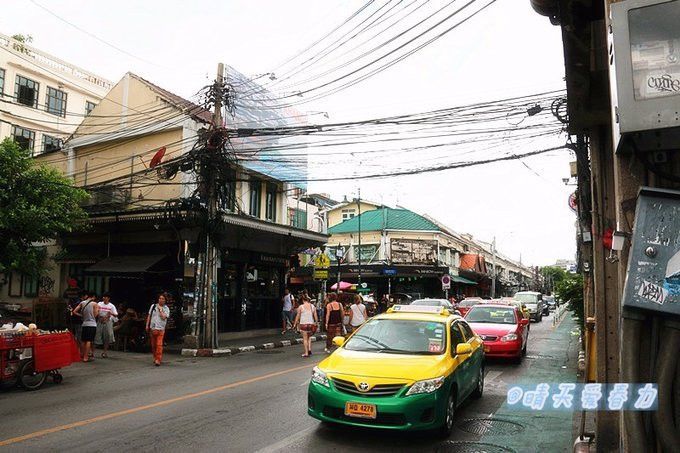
x,y
338,341
463,349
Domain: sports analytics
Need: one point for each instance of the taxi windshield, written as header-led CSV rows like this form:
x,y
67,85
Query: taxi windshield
x,y
399,336
495,315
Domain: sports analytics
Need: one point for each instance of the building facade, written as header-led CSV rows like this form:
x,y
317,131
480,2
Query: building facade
x,y
43,99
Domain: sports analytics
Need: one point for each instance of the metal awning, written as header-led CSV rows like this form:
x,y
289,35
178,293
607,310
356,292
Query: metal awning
x,y
465,281
129,264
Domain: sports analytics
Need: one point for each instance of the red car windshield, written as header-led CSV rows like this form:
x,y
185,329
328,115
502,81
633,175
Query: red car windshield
x,y
469,302
495,315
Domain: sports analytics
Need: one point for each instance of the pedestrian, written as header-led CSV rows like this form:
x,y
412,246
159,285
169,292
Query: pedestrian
x,y
357,314
287,315
72,295
155,326
334,314
108,314
88,310
306,320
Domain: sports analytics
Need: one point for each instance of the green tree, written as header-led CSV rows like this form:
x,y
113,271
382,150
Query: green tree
x,y
36,204
571,290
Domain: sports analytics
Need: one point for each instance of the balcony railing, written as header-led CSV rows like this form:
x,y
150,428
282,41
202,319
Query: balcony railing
x,y
46,59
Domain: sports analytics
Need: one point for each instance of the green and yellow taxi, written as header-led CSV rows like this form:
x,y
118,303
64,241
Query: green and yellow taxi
x,y
407,369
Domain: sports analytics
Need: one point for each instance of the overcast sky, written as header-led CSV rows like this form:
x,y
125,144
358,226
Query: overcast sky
x,y
507,50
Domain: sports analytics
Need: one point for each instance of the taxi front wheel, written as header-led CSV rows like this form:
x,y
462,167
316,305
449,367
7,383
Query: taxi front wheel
x,y
477,393
447,425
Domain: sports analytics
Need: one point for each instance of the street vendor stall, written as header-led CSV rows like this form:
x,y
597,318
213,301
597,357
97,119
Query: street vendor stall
x,y
28,357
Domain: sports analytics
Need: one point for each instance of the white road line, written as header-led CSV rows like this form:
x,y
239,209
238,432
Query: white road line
x,y
492,375
306,382
290,440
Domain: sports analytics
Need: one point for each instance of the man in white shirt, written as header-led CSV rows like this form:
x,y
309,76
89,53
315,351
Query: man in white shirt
x,y
107,313
287,314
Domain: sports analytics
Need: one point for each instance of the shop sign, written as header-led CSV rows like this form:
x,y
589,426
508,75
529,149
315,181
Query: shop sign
x,y
413,251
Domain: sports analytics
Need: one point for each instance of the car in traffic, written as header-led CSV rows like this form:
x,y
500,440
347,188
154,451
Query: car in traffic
x,y
503,329
467,303
407,369
550,303
534,303
520,306
437,303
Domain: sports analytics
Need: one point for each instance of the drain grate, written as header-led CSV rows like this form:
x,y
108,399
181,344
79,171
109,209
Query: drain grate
x,y
482,426
455,446
270,351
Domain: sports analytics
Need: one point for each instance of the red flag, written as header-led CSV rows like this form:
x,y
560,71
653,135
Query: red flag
x,y
157,158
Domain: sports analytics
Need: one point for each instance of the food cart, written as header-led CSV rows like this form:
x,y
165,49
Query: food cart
x,y
29,358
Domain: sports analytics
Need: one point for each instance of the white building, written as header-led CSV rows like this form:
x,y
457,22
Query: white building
x,y
42,98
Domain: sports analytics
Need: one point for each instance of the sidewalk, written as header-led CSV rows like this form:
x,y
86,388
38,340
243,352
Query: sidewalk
x,y
550,430
237,345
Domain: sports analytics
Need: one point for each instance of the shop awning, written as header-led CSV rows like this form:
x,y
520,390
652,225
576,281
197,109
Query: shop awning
x,y
464,281
128,264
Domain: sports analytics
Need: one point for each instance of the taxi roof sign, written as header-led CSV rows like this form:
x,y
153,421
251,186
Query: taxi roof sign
x,y
418,309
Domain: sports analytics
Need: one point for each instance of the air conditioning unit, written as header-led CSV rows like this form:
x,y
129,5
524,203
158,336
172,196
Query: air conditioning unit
x,y
108,197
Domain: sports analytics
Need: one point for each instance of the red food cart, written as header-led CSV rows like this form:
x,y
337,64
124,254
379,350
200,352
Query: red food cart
x,y
48,354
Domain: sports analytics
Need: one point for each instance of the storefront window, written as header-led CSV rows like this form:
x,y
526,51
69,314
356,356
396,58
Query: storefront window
x,y
655,50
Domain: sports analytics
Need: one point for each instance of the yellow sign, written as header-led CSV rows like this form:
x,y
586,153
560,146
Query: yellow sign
x,y
320,274
322,261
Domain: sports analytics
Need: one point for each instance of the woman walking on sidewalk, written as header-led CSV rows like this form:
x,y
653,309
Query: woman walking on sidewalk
x,y
306,320
155,325
334,314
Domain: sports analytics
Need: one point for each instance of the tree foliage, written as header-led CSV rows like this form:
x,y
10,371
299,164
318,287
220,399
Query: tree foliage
x,y
556,274
570,290
36,205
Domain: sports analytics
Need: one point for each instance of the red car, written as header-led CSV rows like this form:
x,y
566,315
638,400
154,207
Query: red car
x,y
467,303
502,328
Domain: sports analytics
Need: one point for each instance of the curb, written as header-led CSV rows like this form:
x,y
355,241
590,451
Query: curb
x,y
234,351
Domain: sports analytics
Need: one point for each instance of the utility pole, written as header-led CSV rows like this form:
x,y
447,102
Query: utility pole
x,y
493,262
206,269
359,254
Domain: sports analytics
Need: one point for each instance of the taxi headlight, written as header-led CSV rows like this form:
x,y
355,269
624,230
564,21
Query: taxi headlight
x,y
426,386
319,377
509,337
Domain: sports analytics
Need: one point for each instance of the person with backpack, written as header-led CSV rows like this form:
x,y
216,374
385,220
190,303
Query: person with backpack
x,y
88,310
334,315
155,326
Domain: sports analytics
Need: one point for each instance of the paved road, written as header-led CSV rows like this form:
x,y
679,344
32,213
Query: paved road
x,y
257,402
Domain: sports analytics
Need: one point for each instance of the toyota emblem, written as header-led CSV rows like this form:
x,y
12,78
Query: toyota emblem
x,y
363,387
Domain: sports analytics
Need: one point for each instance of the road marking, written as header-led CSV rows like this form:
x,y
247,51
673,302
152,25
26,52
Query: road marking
x,y
290,440
492,375
134,410
306,382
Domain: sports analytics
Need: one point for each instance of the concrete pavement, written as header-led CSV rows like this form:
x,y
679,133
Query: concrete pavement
x,y
256,401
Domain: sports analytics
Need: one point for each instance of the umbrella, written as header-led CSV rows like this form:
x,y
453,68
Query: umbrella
x,y
344,286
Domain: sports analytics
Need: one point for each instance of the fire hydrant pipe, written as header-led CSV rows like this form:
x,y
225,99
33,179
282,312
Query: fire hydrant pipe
x,y
663,418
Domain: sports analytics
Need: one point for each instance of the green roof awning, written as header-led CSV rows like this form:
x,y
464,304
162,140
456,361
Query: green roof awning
x,y
465,281
385,219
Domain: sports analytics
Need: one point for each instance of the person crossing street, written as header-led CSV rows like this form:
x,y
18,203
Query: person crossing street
x,y
155,326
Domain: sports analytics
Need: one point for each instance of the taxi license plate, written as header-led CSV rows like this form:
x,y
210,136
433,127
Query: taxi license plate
x,y
360,410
